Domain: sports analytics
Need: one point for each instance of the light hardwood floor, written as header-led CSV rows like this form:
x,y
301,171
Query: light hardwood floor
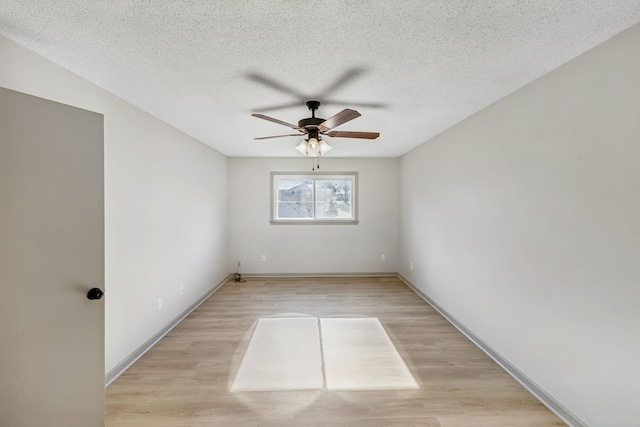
x,y
185,379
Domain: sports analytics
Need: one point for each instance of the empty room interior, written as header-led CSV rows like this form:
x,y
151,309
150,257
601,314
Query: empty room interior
x,y
320,213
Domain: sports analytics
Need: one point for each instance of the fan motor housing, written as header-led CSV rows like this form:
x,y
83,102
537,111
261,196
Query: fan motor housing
x,y
311,122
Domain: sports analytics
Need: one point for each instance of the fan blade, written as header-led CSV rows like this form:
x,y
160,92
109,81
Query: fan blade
x,y
280,122
342,117
362,135
279,136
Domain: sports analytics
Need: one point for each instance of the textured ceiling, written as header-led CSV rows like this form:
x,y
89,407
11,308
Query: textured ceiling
x,y
411,68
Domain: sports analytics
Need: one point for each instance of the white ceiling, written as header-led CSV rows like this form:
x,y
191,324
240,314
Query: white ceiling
x,y
412,68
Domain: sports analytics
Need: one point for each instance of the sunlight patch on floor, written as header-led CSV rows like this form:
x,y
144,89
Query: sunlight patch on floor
x,y
283,354
329,353
359,355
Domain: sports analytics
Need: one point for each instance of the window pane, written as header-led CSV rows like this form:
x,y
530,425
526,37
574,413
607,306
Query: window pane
x,y
295,198
320,197
333,198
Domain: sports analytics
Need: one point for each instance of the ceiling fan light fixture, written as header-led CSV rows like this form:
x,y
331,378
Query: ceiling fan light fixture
x,y
313,147
305,148
302,147
324,147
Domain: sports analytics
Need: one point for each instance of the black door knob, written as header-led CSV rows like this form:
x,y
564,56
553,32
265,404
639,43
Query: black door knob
x,y
95,293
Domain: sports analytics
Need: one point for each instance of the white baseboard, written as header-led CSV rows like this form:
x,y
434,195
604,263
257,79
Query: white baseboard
x,y
302,275
131,359
552,404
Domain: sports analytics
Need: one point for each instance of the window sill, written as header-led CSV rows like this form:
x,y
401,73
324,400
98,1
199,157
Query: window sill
x,y
315,222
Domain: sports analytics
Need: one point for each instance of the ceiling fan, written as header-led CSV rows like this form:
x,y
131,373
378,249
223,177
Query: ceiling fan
x,y
315,127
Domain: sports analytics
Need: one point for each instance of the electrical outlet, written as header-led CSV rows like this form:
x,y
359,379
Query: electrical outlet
x,y
159,304
382,257
411,265
181,289
264,258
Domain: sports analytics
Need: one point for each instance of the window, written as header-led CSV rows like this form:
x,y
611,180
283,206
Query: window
x,y
326,198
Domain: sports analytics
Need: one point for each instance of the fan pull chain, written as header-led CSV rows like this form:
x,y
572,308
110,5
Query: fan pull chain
x,y
315,163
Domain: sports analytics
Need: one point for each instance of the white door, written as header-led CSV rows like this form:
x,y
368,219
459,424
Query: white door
x,y
51,255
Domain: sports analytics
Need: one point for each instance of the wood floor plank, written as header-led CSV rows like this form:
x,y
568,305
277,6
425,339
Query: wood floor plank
x,y
185,379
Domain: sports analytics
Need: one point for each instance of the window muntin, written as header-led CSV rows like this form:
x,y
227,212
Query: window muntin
x,y
316,198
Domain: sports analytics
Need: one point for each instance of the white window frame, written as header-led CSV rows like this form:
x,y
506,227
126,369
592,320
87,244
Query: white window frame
x,y
353,176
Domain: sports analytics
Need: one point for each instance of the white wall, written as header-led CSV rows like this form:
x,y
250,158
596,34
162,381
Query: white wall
x,y
523,222
295,249
165,204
